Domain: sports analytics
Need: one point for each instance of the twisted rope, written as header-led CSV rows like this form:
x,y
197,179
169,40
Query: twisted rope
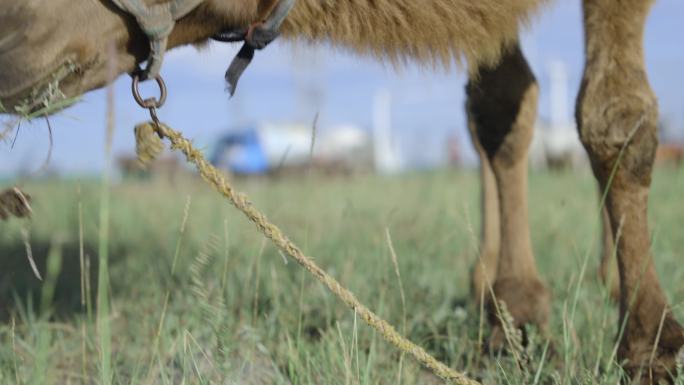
x,y
148,136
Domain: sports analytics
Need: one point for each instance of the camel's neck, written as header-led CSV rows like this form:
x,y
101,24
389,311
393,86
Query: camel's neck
x,y
614,30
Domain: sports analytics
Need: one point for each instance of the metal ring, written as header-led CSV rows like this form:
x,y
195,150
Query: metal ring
x,y
149,102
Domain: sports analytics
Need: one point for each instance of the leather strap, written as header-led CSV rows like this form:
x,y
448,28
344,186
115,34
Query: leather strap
x,y
278,15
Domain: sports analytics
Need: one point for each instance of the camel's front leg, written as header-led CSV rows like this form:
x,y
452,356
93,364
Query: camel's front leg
x,y
608,271
502,105
484,268
617,119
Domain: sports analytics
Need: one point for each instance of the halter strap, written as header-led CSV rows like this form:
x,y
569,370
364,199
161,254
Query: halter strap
x,y
157,22
256,37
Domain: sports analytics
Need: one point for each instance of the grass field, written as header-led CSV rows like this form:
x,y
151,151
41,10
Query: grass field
x,y
198,297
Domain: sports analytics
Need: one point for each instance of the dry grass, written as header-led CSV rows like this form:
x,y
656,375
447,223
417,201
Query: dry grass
x,y
14,203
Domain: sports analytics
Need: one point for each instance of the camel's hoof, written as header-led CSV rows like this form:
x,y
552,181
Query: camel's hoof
x,y
650,367
516,303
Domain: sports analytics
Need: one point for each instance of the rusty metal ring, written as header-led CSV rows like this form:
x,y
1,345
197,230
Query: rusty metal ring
x,y
149,102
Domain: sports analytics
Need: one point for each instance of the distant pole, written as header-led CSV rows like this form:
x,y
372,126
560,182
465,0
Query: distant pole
x,y
385,157
560,118
308,73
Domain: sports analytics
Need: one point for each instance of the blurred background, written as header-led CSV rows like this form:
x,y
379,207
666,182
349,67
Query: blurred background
x,y
372,116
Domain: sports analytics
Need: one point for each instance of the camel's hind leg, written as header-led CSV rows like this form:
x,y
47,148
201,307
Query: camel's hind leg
x,y
484,268
617,119
502,105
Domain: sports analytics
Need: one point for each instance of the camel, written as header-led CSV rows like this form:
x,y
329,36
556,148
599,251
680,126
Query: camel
x,y
616,112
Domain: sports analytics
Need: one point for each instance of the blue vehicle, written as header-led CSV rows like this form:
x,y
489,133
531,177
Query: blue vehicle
x,y
260,149
240,152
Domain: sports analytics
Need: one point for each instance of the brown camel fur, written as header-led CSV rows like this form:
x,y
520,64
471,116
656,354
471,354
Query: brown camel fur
x,y
616,115
433,31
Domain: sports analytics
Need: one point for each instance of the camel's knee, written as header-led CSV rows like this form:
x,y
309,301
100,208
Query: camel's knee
x,y
618,126
502,104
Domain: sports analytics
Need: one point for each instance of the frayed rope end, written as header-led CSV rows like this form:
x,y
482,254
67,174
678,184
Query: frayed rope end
x,y
148,144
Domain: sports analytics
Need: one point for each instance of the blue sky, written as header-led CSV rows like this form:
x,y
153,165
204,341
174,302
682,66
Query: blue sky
x,y
290,83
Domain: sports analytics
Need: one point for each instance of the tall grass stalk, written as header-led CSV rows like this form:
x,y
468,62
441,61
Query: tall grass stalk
x,y
395,263
179,241
86,305
103,321
42,364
